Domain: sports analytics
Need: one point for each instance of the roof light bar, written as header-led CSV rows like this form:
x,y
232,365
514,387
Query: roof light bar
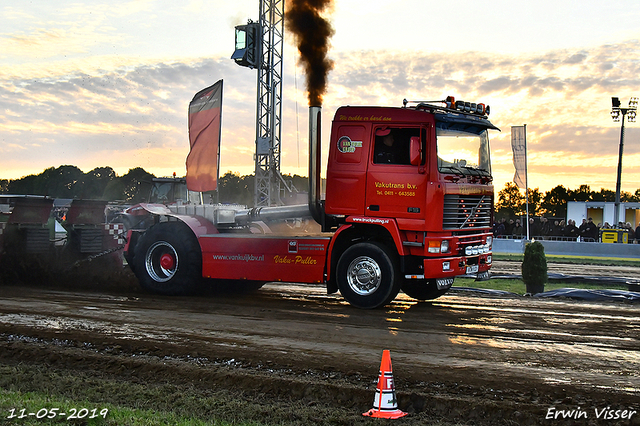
x,y
468,107
451,103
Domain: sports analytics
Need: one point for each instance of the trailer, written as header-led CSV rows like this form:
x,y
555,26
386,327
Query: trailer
x,y
408,206
40,235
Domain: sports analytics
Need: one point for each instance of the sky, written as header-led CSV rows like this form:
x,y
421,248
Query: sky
x,y
107,83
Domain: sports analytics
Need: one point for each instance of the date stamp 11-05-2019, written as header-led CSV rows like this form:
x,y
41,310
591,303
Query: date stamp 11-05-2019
x,y
53,413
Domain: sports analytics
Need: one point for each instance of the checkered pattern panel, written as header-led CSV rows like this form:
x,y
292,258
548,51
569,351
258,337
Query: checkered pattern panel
x,y
117,230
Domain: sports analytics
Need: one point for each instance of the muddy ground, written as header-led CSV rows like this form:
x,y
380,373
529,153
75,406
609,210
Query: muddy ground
x,y
462,359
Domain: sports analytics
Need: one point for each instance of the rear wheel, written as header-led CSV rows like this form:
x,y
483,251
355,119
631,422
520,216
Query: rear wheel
x,y
422,289
168,259
367,275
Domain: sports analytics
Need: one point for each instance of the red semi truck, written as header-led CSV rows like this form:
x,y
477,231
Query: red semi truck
x,y
408,206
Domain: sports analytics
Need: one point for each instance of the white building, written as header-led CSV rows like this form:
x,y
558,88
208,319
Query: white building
x,y
602,212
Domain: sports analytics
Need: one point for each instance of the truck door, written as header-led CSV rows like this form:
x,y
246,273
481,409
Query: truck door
x,y
346,170
396,188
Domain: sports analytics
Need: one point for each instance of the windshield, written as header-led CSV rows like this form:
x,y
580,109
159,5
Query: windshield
x,y
160,192
462,152
168,192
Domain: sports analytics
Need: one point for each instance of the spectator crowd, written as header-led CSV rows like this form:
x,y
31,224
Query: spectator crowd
x,y
544,229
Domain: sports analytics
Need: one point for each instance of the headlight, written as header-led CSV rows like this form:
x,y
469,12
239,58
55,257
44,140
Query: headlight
x,y
436,246
476,250
490,240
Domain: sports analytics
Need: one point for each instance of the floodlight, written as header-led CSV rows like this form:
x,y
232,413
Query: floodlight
x,y
630,113
248,45
615,114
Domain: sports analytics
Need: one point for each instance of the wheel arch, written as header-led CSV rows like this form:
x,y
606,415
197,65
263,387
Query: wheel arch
x,y
350,234
159,212
149,215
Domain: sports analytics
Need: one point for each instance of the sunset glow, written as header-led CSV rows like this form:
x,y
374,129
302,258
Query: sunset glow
x,y
108,83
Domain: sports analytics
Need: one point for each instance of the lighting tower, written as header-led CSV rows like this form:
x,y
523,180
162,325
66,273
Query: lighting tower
x,y
259,45
616,112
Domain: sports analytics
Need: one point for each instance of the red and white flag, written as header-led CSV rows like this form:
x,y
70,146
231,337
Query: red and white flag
x,y
205,123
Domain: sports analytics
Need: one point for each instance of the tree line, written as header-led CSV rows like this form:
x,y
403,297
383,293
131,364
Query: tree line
x,y
102,183
511,201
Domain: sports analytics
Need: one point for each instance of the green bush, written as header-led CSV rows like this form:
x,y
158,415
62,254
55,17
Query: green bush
x,y
534,267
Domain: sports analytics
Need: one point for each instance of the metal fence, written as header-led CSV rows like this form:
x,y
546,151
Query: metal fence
x,y
571,248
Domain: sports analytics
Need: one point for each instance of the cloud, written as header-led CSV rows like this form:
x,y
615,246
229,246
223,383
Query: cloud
x,y
127,112
487,74
133,114
563,95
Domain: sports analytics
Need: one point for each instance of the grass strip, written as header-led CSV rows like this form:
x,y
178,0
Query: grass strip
x,y
37,387
580,260
67,399
517,286
36,408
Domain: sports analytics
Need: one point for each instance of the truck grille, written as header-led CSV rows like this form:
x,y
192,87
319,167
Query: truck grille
x,y
466,211
90,240
37,240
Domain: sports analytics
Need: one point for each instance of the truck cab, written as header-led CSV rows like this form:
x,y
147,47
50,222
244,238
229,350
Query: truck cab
x,y
425,173
170,190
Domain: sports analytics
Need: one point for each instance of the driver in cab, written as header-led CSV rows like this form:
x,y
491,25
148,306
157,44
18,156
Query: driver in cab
x,y
386,151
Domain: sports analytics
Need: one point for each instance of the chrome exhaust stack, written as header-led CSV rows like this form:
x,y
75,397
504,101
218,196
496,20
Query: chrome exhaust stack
x,y
315,153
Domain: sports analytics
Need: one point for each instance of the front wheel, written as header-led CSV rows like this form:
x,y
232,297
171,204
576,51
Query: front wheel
x,y
168,259
367,275
422,289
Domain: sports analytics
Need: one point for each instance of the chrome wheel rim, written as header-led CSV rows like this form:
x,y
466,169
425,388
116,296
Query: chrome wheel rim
x,y
153,261
364,276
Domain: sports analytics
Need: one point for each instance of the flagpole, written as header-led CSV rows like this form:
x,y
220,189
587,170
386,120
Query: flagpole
x,y
219,145
519,148
526,180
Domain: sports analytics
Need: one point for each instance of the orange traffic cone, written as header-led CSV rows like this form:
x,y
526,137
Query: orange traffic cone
x,y
385,404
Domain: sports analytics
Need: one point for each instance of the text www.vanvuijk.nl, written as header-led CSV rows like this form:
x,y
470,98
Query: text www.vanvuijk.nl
x,y
239,257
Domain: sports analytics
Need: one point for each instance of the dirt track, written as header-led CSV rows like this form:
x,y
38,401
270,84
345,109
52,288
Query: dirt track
x,y
462,358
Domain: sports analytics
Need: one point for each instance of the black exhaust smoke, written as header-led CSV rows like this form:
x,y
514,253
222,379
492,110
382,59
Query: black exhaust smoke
x,y
312,32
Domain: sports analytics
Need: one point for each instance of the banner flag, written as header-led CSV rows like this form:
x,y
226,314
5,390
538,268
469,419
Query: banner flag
x,y
205,123
519,148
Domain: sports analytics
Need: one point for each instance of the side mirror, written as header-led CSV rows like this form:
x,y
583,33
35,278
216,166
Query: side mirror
x,y
415,151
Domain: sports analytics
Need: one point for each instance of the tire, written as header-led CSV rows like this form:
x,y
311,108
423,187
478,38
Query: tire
x,y
168,260
422,289
367,275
